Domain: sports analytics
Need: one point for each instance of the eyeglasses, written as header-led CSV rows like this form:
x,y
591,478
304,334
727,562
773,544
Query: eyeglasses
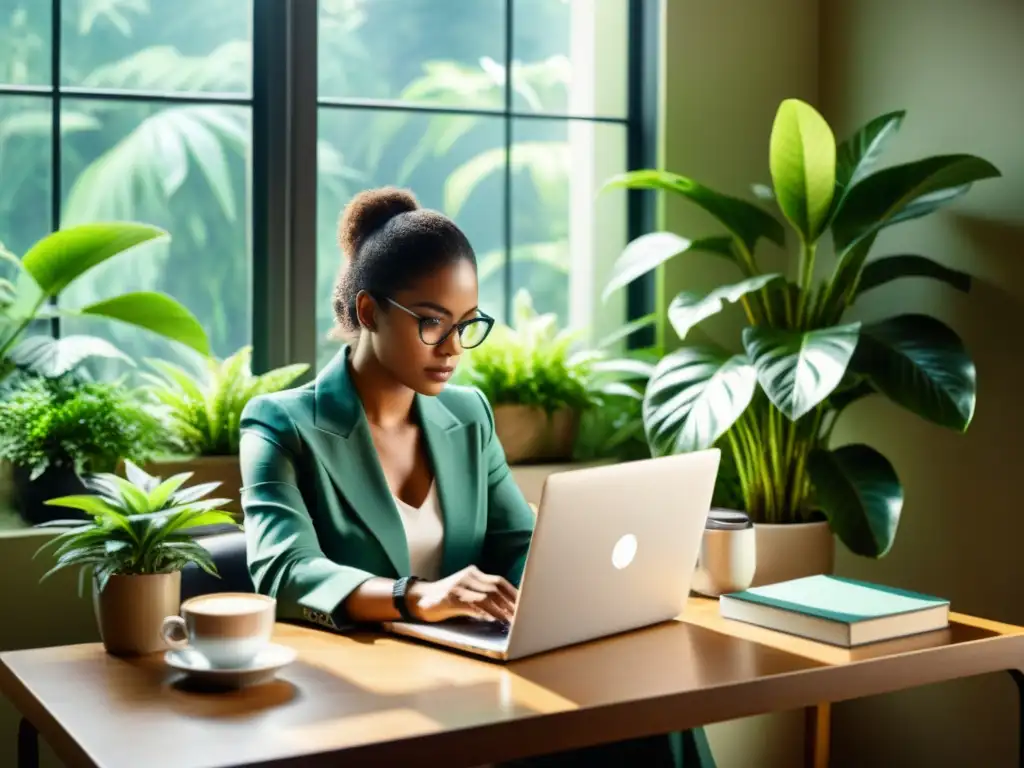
x,y
434,330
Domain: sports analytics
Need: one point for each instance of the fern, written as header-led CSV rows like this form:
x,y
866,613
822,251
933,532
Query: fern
x,y
205,412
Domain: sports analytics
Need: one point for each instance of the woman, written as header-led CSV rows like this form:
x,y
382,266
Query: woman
x,y
377,492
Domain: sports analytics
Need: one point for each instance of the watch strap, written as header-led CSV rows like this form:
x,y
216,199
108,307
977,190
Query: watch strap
x,y
399,596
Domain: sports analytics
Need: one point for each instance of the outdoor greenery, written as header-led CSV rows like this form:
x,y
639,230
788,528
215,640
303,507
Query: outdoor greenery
x,y
534,362
772,400
71,423
204,412
140,525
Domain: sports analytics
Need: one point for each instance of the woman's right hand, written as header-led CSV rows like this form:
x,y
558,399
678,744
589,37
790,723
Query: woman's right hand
x,y
466,593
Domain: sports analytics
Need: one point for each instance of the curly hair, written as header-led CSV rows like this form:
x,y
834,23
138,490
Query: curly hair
x,y
387,243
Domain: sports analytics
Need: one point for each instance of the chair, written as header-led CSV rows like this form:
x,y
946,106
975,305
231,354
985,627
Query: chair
x,y
228,553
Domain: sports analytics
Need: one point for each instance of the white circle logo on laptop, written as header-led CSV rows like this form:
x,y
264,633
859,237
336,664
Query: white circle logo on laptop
x,y
624,551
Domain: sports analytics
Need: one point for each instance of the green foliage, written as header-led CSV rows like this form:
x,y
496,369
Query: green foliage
x,y
140,525
772,401
66,421
204,412
531,362
50,267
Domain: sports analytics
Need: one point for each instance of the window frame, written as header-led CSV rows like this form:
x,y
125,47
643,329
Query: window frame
x,y
285,103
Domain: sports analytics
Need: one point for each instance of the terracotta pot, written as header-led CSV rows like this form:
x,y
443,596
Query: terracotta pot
x,y
131,610
207,469
529,434
792,551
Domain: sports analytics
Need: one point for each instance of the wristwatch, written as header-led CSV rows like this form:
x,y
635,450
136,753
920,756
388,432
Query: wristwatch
x,y
399,594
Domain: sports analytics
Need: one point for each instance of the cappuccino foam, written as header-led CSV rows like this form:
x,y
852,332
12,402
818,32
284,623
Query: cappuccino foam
x,y
226,605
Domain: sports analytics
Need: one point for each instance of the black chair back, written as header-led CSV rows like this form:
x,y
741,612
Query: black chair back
x,y
228,552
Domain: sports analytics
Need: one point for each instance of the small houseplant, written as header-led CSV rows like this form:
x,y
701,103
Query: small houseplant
x,y
54,430
203,413
55,263
134,546
540,382
772,400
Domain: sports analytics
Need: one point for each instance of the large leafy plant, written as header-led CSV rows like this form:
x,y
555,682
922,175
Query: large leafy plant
x,y
773,401
84,426
49,268
204,411
140,525
533,362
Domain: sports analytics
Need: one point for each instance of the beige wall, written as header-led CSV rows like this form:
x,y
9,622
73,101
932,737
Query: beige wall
x,y
956,67
727,67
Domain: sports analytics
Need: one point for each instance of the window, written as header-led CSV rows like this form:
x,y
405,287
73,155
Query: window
x,y
244,126
134,109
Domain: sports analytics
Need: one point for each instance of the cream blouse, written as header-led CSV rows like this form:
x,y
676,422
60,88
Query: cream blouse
x,y
424,532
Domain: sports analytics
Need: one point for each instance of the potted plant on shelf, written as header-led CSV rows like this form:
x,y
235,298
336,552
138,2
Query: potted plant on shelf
x,y
54,430
49,268
772,401
135,546
203,412
540,383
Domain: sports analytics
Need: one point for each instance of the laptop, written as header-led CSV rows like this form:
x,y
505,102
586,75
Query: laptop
x,y
614,549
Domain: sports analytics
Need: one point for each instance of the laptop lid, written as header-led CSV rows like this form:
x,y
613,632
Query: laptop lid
x,y
614,549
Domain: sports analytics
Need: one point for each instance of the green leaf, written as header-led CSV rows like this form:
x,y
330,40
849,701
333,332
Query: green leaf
x,y
63,256
921,364
694,396
51,357
860,494
163,493
155,312
905,192
802,158
889,268
650,251
91,505
744,220
625,331
859,153
797,370
690,308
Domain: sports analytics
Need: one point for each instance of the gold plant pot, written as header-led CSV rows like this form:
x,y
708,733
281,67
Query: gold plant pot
x,y
131,609
529,434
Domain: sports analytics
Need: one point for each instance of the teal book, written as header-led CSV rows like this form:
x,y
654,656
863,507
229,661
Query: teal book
x,y
832,609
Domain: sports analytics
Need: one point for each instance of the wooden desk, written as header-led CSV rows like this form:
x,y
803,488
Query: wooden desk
x,y
373,700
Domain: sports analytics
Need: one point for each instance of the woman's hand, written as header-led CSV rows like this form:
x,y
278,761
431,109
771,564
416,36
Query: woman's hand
x,y
467,593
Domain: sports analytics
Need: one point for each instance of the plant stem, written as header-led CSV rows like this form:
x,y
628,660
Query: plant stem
x,y
808,251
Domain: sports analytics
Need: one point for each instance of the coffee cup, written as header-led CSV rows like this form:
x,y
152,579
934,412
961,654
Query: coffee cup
x,y
728,554
227,628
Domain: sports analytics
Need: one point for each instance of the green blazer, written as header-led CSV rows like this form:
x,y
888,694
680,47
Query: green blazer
x,y
320,518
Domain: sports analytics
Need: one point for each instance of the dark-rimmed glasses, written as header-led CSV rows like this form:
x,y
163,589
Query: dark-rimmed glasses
x,y
434,330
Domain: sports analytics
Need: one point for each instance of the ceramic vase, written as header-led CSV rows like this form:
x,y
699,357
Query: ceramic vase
x,y
131,610
792,551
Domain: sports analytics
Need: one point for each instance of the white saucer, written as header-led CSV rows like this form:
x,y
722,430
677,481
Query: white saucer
x,y
260,670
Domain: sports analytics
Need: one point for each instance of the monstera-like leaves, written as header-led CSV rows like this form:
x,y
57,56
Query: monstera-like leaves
x,y
694,395
799,369
918,362
860,494
859,153
690,308
802,158
744,220
652,250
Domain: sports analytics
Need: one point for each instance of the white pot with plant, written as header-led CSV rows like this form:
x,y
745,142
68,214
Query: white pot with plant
x,y
540,380
772,400
135,546
203,411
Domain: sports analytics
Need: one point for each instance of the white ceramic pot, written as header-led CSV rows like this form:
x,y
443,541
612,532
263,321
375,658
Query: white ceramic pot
x,y
793,551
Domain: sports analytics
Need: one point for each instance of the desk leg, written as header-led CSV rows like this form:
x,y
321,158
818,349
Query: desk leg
x,y
1018,678
28,745
817,732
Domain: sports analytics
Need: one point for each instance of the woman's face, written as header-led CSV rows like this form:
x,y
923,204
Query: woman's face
x,y
442,298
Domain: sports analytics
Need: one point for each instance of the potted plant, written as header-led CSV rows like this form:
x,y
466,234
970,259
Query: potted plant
x,y
204,411
54,430
772,400
135,545
540,384
49,268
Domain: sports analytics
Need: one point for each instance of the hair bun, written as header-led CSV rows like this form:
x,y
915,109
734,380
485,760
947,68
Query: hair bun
x,y
368,211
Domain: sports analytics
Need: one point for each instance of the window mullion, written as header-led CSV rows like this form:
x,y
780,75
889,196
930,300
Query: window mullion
x,y
56,175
